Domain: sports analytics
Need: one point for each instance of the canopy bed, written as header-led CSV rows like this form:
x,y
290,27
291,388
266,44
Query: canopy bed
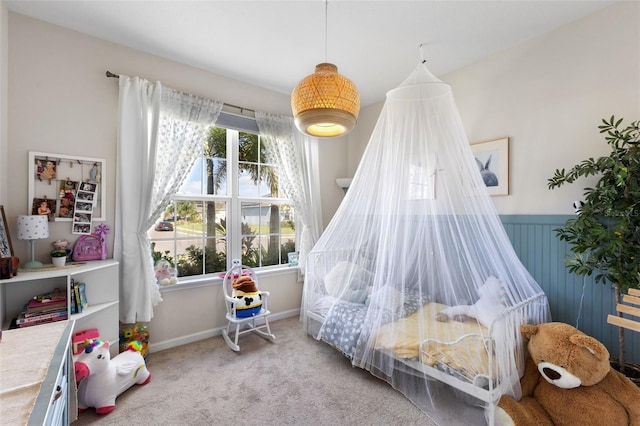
x,y
415,279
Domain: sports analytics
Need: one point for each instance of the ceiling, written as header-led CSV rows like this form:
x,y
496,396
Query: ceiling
x,y
274,44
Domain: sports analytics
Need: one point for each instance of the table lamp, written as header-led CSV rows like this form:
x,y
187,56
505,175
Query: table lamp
x,y
33,228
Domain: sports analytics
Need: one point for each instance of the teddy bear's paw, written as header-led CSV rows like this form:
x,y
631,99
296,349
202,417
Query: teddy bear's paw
x,y
501,418
461,318
442,317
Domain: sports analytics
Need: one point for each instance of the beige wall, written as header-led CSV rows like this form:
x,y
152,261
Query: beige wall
x,y
4,30
548,95
60,101
4,52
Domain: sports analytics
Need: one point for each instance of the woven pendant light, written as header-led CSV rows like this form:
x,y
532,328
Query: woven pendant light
x,y
325,104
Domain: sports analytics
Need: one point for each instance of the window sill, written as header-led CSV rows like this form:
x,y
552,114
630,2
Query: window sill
x,y
214,279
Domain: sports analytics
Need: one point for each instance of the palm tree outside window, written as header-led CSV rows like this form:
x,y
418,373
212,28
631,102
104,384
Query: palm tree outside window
x,y
230,206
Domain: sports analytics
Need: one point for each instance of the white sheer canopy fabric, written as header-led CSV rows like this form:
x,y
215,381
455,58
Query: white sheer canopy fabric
x,y
160,134
291,151
417,233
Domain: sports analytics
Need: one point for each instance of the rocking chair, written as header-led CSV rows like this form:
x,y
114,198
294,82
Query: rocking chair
x,y
255,321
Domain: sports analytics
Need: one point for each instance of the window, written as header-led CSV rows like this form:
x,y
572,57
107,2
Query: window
x,y
230,206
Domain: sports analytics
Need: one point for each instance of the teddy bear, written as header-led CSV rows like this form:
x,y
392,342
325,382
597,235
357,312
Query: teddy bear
x,y
489,306
60,244
246,290
165,273
568,381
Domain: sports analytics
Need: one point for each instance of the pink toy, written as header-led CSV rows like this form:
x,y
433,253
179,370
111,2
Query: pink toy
x,y
81,338
165,273
102,231
101,379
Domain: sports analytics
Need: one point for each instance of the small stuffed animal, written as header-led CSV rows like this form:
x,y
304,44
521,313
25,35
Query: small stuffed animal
x,y
568,381
60,244
492,301
245,289
101,379
165,273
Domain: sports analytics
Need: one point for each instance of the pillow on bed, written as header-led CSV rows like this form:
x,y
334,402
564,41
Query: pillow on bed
x,y
387,297
348,281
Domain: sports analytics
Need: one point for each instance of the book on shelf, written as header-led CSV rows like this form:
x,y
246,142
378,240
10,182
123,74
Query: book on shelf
x,y
73,306
47,302
54,295
44,308
82,293
78,297
43,321
41,318
28,314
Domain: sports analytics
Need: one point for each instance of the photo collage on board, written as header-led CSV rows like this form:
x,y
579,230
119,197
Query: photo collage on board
x,y
83,209
67,190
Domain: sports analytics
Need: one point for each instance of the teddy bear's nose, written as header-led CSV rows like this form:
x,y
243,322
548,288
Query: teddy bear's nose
x,y
550,373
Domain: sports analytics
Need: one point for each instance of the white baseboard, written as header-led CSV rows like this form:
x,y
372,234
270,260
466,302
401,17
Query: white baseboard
x,y
206,334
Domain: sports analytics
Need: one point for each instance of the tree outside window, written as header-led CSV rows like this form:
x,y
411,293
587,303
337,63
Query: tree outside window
x,y
247,215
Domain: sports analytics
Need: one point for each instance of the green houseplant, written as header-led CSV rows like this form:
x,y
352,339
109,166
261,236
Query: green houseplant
x,y
605,235
58,257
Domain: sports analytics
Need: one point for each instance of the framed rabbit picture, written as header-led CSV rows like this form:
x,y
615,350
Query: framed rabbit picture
x,y
492,158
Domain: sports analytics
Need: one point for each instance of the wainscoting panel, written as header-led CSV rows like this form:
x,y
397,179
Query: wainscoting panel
x,y
573,299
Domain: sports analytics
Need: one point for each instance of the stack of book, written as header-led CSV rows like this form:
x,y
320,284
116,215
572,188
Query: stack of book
x,y
44,308
78,297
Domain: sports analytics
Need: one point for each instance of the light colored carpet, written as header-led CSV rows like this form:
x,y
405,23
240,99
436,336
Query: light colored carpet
x,y
295,380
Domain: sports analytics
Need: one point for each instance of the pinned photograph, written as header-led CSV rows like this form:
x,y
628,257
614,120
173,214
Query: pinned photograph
x,y
44,206
45,169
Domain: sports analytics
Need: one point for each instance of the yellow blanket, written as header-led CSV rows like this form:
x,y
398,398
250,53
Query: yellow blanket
x,y
403,337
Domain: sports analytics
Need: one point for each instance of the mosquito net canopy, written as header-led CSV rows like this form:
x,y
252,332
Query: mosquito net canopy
x,y
415,278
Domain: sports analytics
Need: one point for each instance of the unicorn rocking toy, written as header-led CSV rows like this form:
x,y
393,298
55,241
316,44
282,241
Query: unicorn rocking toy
x,y
101,379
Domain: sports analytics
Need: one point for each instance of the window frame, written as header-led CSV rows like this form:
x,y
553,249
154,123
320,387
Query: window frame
x,y
233,202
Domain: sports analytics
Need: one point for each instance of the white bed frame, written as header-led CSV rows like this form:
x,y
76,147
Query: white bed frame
x,y
492,395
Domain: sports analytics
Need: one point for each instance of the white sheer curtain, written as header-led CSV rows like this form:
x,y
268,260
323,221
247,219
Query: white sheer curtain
x,y
292,151
160,133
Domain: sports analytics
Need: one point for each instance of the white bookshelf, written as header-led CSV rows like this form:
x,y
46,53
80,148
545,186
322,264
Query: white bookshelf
x,y
102,289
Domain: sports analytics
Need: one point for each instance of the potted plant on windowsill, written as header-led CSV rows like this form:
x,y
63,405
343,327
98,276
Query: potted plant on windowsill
x,y
605,235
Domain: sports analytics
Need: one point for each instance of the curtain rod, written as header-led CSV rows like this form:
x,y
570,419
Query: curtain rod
x,y
242,109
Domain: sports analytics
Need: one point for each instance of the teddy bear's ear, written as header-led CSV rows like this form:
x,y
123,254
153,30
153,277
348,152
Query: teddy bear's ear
x,y
592,345
528,330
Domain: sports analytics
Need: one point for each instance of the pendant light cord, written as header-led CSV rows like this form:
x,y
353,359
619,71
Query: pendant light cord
x,y
326,19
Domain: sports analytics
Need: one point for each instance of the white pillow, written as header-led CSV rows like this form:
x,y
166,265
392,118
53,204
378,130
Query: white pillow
x,y
337,279
387,297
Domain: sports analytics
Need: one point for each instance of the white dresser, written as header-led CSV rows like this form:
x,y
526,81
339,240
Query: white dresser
x,y
37,385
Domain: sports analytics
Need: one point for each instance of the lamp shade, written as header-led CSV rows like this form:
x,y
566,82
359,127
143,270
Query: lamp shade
x,y
325,103
33,227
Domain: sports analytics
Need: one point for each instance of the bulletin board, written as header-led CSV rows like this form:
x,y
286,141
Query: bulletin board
x,y
67,188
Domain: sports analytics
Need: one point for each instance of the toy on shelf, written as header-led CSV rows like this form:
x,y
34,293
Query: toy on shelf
x,y
87,247
101,379
102,231
62,245
165,273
